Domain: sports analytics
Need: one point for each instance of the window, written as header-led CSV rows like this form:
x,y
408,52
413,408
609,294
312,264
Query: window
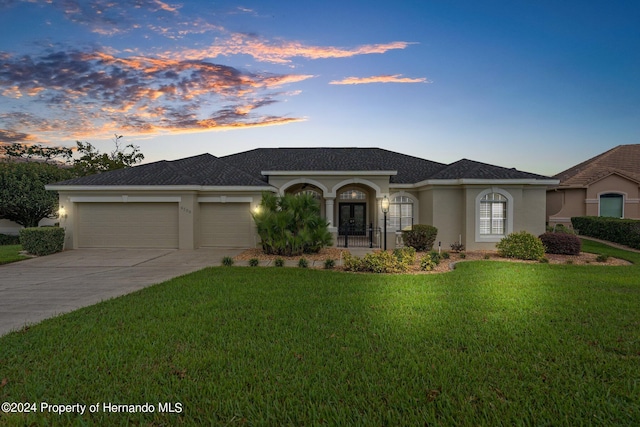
x,y
400,213
611,205
352,195
493,214
314,193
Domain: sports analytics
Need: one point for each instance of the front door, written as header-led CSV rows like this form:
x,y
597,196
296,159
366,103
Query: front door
x,y
353,218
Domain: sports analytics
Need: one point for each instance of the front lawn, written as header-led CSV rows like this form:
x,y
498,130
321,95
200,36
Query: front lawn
x,y
491,343
11,253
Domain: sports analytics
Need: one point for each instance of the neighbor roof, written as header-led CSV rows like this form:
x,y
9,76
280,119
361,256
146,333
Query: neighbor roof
x,y
248,168
623,160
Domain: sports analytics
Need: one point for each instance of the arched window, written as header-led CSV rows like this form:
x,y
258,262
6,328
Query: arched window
x,y
493,214
312,192
611,205
353,195
400,213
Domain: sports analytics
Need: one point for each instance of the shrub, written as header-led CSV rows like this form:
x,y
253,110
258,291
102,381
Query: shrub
x,y
227,261
445,255
329,264
279,262
42,240
457,247
420,237
427,263
352,263
380,262
435,257
623,231
405,256
7,239
291,225
303,263
254,262
561,243
463,255
602,258
521,245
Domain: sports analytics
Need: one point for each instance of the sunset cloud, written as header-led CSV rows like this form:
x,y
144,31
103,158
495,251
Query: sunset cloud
x,y
97,91
396,78
281,51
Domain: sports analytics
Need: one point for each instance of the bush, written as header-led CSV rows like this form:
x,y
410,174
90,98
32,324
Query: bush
x,y
279,262
521,245
254,262
7,239
623,231
420,237
329,264
457,247
303,263
602,258
352,263
445,255
42,240
435,257
227,261
381,262
405,256
427,263
561,243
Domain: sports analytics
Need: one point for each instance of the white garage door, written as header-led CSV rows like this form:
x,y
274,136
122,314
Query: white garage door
x,y
127,225
226,225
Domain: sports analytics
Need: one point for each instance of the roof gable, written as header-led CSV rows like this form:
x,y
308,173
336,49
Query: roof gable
x,y
623,159
470,169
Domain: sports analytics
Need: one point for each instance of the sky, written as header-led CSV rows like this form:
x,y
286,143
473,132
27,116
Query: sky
x,y
538,86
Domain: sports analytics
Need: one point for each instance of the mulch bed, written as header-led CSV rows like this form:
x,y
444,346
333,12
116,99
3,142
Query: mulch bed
x,y
445,264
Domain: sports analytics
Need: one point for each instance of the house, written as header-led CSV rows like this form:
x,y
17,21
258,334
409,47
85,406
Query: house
x,y
207,201
605,185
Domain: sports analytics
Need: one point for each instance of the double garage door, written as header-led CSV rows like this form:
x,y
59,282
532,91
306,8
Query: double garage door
x,y
156,225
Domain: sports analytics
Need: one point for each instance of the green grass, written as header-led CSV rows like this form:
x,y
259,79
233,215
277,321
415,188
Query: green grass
x,y
492,343
11,253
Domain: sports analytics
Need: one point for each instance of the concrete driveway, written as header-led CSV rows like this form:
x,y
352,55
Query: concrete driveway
x,y
39,288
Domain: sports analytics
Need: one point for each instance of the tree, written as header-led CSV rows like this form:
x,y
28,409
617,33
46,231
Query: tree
x,y
23,198
291,225
91,161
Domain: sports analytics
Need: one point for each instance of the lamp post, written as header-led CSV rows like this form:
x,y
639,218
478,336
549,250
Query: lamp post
x,y
385,210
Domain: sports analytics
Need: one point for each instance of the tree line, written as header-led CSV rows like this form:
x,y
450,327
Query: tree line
x,y
26,169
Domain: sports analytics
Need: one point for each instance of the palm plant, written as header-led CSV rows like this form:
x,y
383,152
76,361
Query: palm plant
x,y
291,225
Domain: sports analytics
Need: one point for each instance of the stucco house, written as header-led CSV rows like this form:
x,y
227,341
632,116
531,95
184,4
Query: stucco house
x,y
207,201
605,185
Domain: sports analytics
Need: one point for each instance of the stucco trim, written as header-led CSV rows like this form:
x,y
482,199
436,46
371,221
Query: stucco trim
x,y
225,199
125,199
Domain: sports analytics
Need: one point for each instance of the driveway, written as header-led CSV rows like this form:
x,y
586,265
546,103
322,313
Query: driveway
x,y
39,288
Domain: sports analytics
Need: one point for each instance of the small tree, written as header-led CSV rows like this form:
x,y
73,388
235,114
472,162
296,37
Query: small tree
x,y
23,198
91,161
291,225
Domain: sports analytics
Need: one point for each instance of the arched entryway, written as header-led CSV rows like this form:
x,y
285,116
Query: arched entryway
x,y
356,216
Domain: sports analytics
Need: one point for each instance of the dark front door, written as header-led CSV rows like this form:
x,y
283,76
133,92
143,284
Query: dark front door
x,y
353,218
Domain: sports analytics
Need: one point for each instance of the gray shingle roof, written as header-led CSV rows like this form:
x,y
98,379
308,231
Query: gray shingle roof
x,y
471,169
245,169
204,169
410,169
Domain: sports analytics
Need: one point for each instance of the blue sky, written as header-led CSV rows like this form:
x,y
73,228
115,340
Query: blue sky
x,y
538,86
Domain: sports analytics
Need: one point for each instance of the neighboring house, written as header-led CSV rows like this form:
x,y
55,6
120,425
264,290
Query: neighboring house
x,y
605,185
13,228
207,201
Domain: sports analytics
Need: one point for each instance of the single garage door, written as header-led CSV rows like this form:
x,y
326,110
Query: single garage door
x,y
127,225
226,225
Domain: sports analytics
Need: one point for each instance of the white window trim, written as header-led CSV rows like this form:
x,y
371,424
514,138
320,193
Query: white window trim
x,y
416,205
491,238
